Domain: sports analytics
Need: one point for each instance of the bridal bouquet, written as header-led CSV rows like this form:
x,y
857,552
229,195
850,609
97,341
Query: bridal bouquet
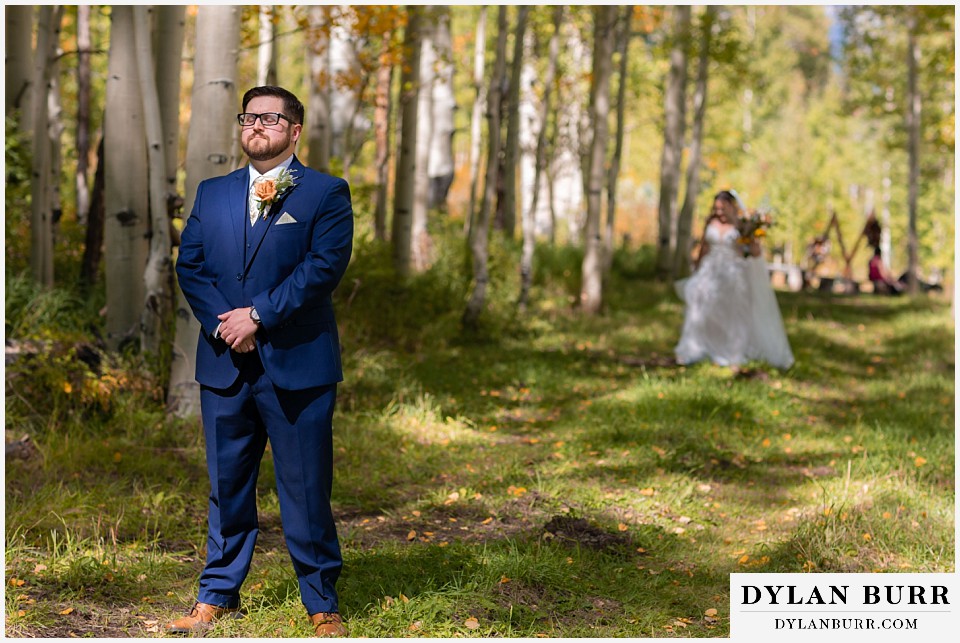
x,y
753,227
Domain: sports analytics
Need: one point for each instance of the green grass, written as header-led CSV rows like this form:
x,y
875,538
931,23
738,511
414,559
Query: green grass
x,y
550,475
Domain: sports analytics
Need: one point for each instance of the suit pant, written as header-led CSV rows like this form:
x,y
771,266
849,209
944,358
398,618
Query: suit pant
x,y
237,423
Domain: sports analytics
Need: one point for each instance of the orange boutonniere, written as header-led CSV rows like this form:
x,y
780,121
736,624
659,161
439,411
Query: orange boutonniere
x,y
268,189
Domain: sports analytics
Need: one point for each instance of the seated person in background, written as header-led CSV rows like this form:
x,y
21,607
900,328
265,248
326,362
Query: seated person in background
x,y
883,283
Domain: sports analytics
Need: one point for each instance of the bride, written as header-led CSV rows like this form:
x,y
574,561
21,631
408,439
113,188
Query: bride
x,y
731,314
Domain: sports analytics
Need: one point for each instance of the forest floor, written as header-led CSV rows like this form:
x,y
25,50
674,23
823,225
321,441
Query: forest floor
x,y
554,475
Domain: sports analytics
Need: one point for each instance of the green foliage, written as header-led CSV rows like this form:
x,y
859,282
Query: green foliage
x,y
34,312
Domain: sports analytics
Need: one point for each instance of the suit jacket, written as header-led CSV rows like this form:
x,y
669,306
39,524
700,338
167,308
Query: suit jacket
x,y
287,270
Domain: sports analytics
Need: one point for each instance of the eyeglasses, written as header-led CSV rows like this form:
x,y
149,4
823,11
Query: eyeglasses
x,y
268,119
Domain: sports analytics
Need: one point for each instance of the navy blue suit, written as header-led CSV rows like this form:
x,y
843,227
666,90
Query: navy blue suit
x,y
286,266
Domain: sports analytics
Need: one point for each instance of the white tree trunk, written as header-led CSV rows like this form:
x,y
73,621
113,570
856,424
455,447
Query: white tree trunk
x,y
210,152
157,274
913,148
42,202
476,117
591,289
512,147
82,184
407,145
19,63
170,25
382,112
567,170
681,263
125,157
55,126
440,161
538,120
345,118
674,108
318,100
479,243
267,48
623,47
419,235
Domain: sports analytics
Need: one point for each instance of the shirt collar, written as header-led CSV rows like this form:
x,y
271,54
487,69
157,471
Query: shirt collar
x,y
272,172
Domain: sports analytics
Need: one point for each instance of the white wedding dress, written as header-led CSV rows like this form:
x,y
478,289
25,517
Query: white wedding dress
x,y
731,314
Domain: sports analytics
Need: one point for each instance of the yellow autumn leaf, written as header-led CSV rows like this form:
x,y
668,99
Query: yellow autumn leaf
x,y
117,457
743,559
486,521
920,461
66,611
471,623
67,388
766,442
622,527
646,492
411,535
710,612
867,537
504,579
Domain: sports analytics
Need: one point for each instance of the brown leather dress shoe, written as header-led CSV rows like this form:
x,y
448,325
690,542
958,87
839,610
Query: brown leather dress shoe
x,y
328,624
201,618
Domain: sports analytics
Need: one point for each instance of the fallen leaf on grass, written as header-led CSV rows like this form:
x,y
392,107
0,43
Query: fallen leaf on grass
x,y
16,582
39,568
622,527
647,492
486,521
920,461
710,612
412,535
66,611
471,623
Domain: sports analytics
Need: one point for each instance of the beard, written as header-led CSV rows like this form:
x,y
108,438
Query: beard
x,y
261,148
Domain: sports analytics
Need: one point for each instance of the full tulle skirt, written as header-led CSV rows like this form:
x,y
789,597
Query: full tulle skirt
x,y
731,314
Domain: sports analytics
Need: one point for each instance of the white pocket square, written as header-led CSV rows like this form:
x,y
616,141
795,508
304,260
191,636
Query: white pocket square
x,y
286,218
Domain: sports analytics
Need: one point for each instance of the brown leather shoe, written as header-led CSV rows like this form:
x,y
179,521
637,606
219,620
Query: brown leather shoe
x,y
328,624
201,618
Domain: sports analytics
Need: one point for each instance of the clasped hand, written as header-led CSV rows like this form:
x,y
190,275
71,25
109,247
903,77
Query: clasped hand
x,y
237,329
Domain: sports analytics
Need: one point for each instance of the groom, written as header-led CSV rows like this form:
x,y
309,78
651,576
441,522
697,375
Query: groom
x,y
260,255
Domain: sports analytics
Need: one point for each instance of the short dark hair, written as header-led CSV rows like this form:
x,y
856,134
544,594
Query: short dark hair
x,y
292,107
